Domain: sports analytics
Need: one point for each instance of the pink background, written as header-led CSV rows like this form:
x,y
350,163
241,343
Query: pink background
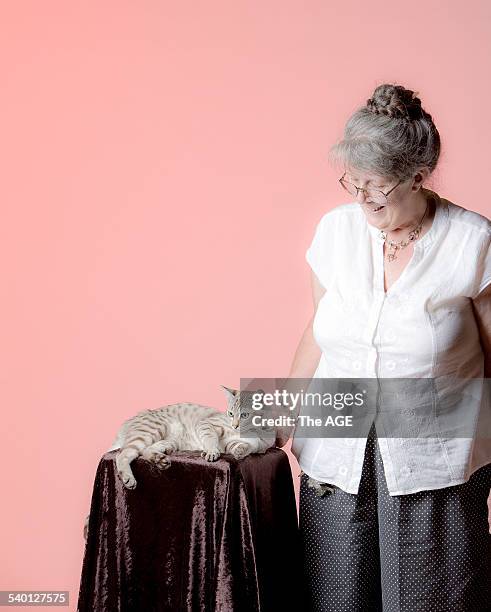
x,y
163,168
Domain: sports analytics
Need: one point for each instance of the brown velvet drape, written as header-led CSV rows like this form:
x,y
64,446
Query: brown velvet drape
x,y
198,536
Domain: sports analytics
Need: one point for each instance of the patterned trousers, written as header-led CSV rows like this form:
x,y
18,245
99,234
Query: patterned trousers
x,y
423,552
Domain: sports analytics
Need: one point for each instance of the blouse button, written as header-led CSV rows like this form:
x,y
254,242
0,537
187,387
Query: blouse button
x,y
342,470
390,335
356,365
391,364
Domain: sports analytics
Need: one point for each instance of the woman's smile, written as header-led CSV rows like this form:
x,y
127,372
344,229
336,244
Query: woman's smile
x,y
373,209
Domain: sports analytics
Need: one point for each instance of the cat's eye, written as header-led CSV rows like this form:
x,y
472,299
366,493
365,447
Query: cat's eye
x,y
244,415
229,413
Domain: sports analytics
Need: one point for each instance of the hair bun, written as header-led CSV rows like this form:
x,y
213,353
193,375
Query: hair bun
x,y
396,102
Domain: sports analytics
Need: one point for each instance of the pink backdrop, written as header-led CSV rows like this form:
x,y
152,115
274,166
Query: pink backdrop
x,y
163,168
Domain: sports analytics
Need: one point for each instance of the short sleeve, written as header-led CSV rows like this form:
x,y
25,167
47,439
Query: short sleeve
x,y
483,269
318,254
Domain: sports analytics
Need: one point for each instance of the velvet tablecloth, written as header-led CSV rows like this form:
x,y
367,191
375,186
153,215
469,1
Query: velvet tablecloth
x,y
199,536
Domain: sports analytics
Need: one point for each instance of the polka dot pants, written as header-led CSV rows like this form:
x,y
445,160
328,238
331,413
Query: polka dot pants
x,y
422,552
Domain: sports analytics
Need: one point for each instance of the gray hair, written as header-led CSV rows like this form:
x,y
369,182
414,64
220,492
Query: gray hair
x,y
391,136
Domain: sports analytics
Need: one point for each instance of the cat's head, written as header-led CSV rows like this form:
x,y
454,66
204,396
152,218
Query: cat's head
x,y
240,410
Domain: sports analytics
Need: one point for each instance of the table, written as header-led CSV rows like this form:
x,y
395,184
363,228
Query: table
x,y
199,536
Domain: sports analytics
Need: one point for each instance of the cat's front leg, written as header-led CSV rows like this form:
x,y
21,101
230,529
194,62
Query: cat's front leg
x,y
209,441
211,454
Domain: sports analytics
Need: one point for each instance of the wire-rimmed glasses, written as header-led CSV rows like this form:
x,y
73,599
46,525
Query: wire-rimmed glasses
x,y
375,195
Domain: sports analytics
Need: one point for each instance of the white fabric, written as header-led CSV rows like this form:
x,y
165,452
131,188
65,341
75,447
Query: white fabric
x,y
422,327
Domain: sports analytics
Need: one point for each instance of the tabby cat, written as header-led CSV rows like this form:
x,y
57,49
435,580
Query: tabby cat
x,y
155,433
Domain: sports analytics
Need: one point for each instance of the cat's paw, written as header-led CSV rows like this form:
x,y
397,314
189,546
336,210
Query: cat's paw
x,y
211,455
129,480
241,450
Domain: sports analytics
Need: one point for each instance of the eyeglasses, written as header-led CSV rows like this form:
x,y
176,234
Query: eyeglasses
x,y
375,195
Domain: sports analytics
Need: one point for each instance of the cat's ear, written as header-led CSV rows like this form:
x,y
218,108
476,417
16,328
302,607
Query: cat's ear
x,y
231,393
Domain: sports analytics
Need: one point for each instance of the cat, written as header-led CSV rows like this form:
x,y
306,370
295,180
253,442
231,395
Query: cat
x,y
155,433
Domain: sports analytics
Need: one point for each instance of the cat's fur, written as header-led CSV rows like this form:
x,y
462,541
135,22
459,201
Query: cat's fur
x,y
155,433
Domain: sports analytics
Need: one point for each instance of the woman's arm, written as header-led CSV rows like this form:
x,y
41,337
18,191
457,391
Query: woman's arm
x,y
307,355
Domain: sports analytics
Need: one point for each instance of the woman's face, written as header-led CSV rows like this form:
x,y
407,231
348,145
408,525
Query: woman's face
x,y
402,201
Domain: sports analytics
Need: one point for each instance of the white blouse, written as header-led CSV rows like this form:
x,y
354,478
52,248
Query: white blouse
x,y
422,327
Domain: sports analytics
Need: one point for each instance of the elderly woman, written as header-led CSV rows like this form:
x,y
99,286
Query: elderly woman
x,y
401,285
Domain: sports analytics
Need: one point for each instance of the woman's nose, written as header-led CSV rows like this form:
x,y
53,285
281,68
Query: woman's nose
x,y
360,197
